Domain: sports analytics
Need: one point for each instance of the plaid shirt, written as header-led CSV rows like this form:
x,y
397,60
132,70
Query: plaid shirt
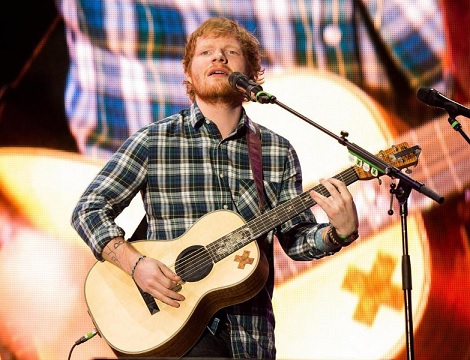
x,y
184,170
125,56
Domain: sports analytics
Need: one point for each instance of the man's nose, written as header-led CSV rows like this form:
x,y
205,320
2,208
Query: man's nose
x,y
219,55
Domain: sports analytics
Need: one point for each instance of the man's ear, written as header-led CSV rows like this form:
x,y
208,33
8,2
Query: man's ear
x,y
187,75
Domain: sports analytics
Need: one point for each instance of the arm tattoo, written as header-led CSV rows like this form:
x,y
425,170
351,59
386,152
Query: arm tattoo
x,y
118,243
111,252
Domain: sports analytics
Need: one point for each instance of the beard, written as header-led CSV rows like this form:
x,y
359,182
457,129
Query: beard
x,y
216,93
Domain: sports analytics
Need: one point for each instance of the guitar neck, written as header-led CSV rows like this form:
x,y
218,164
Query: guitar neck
x,y
401,155
300,203
269,220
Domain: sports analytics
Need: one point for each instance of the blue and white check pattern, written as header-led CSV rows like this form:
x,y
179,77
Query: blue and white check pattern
x,y
126,67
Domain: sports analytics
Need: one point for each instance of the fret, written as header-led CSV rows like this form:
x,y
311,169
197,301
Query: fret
x,y
341,176
212,253
237,239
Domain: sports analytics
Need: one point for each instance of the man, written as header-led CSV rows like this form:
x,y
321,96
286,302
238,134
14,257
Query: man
x,y
198,161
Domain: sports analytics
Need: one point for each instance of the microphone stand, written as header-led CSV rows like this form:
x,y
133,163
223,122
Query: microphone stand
x,y
456,125
402,192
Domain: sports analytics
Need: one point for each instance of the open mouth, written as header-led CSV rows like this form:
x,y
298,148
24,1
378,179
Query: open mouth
x,y
218,72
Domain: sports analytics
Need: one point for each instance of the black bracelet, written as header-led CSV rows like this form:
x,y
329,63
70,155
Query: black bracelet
x,y
135,265
342,241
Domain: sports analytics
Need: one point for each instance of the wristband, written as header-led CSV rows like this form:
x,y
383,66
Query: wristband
x,y
336,239
135,265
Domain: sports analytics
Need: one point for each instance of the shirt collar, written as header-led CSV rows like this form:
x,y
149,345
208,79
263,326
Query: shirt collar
x,y
196,118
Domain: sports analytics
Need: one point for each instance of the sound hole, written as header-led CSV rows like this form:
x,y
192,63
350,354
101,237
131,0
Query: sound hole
x,y
193,263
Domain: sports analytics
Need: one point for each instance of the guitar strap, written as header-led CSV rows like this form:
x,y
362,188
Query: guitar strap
x,y
256,161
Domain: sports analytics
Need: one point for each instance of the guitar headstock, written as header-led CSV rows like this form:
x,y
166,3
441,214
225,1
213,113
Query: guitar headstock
x,y
400,156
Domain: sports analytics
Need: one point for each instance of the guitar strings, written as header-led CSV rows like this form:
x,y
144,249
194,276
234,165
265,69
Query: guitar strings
x,y
195,262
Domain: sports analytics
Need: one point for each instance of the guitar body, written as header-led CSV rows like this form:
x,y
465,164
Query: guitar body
x,y
123,318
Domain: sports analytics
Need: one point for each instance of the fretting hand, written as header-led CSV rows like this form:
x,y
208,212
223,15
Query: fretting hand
x,y
339,207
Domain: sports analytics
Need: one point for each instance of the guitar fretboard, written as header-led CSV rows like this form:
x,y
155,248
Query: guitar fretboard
x,y
262,224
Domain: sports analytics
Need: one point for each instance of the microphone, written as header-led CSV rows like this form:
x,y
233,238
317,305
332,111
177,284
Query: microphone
x,y
434,98
251,90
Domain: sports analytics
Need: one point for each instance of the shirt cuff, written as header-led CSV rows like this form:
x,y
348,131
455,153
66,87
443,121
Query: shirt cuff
x,y
315,239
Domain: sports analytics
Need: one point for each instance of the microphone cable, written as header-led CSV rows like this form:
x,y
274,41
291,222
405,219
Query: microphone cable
x,y
83,339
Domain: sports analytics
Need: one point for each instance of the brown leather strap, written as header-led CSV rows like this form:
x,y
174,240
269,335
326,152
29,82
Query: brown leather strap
x,y
256,161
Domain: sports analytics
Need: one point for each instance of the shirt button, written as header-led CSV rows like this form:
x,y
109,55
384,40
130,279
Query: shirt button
x,y
225,207
221,175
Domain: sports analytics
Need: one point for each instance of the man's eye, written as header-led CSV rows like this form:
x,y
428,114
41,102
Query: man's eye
x,y
206,52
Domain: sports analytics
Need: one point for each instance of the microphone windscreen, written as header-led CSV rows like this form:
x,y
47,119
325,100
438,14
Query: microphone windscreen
x,y
427,95
233,78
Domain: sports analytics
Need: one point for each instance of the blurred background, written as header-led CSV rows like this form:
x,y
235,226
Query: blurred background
x,y
78,77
